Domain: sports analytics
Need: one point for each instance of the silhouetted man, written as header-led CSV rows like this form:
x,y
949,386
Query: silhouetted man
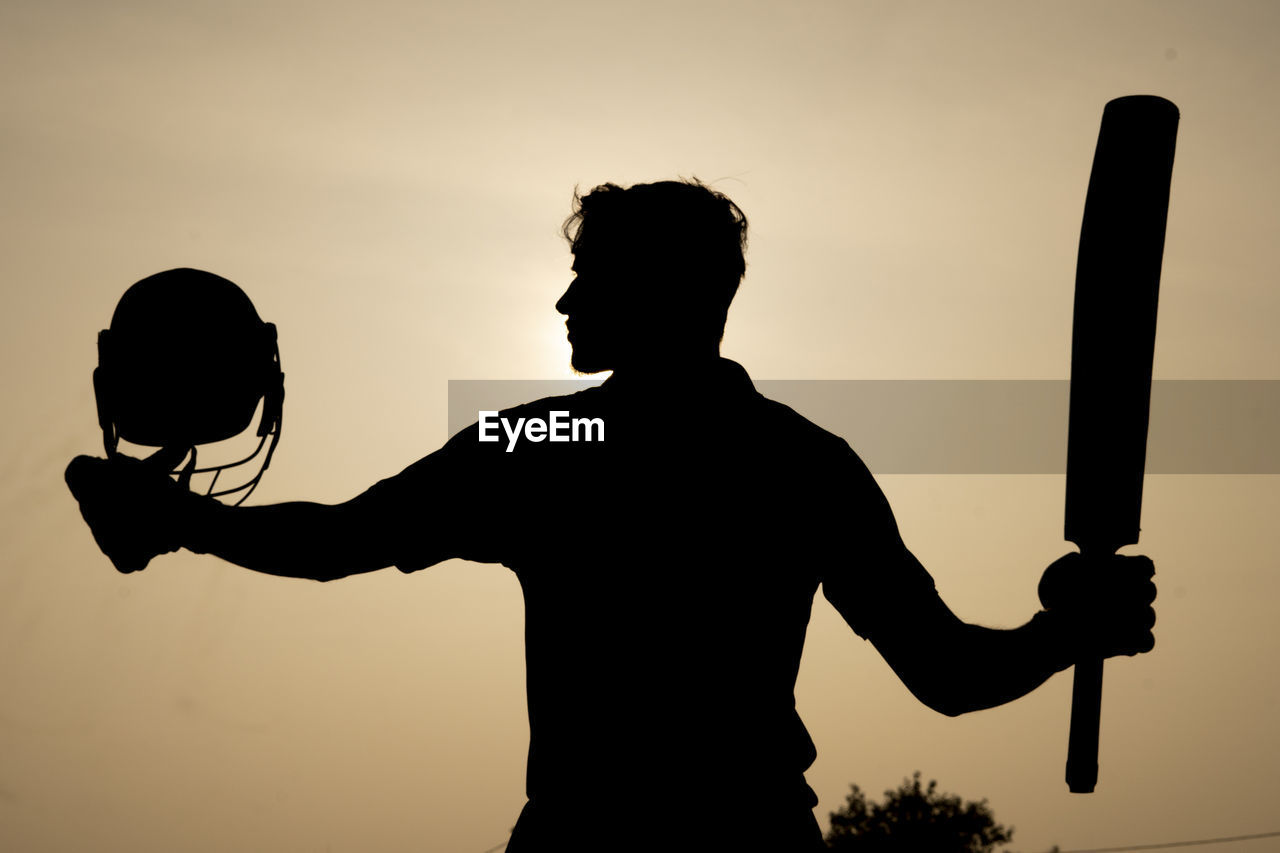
x,y
669,569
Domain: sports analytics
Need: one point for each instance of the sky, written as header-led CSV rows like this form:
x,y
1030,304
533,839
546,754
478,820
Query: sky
x,y
387,181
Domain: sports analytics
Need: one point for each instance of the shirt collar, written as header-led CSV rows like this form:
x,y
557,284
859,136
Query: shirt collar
x,y
722,377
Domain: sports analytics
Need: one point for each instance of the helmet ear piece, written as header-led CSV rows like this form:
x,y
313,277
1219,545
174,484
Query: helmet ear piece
x,y
273,384
104,394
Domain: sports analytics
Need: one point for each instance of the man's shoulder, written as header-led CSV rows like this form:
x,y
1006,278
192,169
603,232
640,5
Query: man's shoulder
x,y
586,400
783,422
531,429
788,425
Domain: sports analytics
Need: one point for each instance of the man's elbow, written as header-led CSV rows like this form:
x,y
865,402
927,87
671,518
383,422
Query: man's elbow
x,y
935,684
947,705
337,570
955,708
948,696
954,696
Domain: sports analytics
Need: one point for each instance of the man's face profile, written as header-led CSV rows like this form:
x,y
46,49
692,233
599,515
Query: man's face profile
x,y
646,293
601,310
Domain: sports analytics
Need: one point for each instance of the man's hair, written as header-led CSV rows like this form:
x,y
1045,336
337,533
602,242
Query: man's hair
x,y
683,230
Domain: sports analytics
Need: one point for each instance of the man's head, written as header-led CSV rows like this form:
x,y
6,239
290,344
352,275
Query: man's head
x,y
656,268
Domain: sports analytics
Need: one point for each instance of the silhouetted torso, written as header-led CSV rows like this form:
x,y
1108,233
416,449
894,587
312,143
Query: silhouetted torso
x,y
668,574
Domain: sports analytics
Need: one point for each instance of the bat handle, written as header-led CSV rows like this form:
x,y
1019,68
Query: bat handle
x,y
1086,709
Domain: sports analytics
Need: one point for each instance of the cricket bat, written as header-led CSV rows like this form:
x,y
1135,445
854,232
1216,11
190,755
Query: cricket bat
x,y
1112,345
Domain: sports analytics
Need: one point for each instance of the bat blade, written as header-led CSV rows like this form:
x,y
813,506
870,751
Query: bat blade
x,y
1112,347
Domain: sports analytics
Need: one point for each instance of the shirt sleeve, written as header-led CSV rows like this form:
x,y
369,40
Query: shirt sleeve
x,y
871,577
436,509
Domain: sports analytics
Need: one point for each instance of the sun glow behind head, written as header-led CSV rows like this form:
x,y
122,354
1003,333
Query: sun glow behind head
x,y
188,362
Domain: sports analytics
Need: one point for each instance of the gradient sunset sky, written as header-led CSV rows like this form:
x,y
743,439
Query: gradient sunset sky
x,y
387,180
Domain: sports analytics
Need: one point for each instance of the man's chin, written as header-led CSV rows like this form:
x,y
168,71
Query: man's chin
x,y
588,371
587,365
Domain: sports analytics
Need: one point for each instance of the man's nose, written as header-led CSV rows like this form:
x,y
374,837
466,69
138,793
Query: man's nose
x,y
565,303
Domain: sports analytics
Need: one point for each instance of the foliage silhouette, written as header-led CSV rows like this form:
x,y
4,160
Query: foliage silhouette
x,y
915,818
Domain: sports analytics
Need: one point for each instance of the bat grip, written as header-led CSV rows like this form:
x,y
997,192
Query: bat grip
x,y
1086,710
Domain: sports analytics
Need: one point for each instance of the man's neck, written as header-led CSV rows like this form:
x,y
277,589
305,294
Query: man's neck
x,y
667,368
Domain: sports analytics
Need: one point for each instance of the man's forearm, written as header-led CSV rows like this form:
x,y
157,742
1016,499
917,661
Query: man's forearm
x,y
955,667
986,667
297,540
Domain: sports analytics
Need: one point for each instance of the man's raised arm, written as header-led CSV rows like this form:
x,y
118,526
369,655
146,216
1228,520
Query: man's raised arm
x,y
955,667
1098,609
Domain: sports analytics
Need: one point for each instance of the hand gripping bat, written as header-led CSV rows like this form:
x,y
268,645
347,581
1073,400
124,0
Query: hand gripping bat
x,y
1112,345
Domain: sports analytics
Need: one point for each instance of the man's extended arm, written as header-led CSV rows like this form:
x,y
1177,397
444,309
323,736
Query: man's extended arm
x,y
137,512
298,540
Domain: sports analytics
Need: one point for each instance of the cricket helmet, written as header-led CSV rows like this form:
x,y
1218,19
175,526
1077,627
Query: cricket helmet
x,y
186,362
